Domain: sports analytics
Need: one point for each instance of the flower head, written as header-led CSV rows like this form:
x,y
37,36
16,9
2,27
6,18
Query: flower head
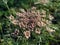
x,y
27,34
11,17
37,31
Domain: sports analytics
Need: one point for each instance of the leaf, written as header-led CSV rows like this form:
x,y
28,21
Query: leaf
x,y
1,13
5,1
0,27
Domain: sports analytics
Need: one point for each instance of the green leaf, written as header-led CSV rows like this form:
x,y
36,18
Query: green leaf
x,y
5,1
0,27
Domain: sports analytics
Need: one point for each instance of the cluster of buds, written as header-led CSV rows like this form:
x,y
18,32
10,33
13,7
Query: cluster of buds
x,y
30,19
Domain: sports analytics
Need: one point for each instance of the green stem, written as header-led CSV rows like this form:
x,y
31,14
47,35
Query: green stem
x,y
8,8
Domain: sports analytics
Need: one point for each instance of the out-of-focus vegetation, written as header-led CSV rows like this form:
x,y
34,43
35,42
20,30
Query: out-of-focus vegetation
x,y
11,34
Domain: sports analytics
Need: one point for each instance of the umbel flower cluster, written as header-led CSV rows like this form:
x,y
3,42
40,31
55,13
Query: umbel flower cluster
x,y
32,20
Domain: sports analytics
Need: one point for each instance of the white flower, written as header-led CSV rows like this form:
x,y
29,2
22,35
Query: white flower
x,y
11,17
27,34
51,17
37,31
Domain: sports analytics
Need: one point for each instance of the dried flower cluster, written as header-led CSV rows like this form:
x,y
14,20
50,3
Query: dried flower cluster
x,y
30,20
